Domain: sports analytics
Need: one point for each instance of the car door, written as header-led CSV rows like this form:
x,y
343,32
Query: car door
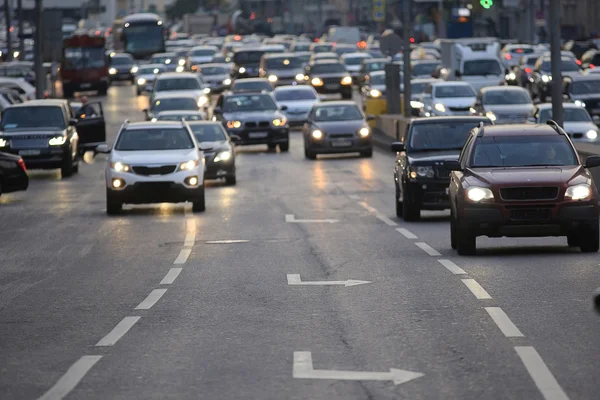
x,y
91,126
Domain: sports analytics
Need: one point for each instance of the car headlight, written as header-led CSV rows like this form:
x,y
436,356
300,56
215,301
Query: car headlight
x,y
206,90
227,82
242,70
491,116
188,165
168,61
233,124
477,194
300,77
141,81
591,134
120,167
375,93
416,104
181,62
223,156
179,68
279,121
347,80
364,132
440,107
316,82
317,134
546,78
153,120
579,103
202,101
3,142
134,70
57,141
579,192
511,76
112,71
272,78
422,172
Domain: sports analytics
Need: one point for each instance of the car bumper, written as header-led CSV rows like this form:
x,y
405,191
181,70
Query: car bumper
x,y
15,183
121,76
218,170
156,192
47,158
430,194
261,136
342,145
338,89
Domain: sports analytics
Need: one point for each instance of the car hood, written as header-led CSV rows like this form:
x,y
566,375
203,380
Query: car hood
x,y
148,77
528,176
511,112
33,132
154,157
432,157
456,101
330,75
201,59
579,127
353,68
197,93
251,115
212,78
285,73
340,126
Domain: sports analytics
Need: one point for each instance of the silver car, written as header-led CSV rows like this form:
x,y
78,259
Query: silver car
x,y
146,75
577,121
504,104
298,99
447,99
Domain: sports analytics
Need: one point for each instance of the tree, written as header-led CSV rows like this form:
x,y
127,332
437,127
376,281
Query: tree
x,y
181,7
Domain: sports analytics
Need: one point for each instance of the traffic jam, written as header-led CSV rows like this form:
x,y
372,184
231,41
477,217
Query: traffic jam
x,y
480,155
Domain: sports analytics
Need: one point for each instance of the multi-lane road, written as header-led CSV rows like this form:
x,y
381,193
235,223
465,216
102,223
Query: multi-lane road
x,y
298,283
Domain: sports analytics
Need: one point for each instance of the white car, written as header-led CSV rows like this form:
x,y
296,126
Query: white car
x,y
201,55
183,83
154,162
353,62
174,102
20,85
446,98
298,99
577,121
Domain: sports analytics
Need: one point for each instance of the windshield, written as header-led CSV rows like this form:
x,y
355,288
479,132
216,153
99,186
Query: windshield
x,y
343,50
208,132
323,48
174,104
284,63
481,67
117,61
506,97
83,57
203,53
258,102
586,87
419,87
424,68
447,91
378,79
296,94
570,115
338,113
566,65
33,117
213,70
301,46
523,151
144,38
354,60
374,66
151,70
248,57
177,84
440,135
179,117
329,68
256,86
304,58
162,59
154,139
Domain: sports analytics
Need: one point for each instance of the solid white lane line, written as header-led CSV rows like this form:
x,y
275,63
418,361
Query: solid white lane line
x,y
118,331
171,276
427,249
541,375
71,378
190,235
455,269
385,220
183,256
151,300
476,289
504,323
367,207
406,233
226,241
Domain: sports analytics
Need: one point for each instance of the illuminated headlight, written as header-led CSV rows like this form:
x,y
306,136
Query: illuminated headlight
x,y
317,134
300,77
168,61
141,81
591,134
273,78
182,62
242,70
511,76
112,71
3,142
188,165
192,180
579,103
202,101
422,172
134,70
233,124
375,93
364,132
416,104
279,122
546,78
206,90
118,183
440,107
477,194
120,167
153,120
316,82
491,116
347,80
227,82
179,68
223,156
57,141
579,192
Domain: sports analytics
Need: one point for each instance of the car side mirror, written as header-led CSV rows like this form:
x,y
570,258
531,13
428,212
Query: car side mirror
x,y
103,149
457,73
397,147
370,117
596,119
531,120
592,161
283,108
235,138
453,165
72,122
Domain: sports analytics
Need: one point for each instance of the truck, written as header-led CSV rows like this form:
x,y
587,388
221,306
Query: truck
x,y
198,24
84,64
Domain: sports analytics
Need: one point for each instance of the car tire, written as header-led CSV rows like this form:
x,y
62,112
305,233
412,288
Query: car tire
x,y
590,240
399,205
410,210
466,241
230,180
367,153
67,169
284,147
573,240
311,155
199,205
113,207
272,146
453,239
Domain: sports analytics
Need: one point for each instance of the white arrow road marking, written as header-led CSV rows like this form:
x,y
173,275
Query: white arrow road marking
x,y
303,369
292,219
294,279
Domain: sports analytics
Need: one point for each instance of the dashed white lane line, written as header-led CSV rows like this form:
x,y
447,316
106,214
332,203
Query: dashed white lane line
x,y
183,256
367,207
233,241
118,331
151,300
71,378
171,276
504,323
541,375
406,233
455,269
427,249
385,220
190,235
354,197
476,289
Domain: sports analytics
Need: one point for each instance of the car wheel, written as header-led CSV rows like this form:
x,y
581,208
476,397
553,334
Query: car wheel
x,y
453,240
466,241
590,240
411,210
310,154
272,146
399,206
230,180
284,147
113,207
199,205
573,240
367,153
66,170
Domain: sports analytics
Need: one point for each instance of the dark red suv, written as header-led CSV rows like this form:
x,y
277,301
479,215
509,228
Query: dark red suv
x,y
522,181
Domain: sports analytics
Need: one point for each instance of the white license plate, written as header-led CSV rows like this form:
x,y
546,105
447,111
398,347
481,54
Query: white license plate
x,y
29,152
258,135
86,85
341,143
332,86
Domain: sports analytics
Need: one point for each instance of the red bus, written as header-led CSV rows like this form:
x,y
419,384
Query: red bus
x,y
84,64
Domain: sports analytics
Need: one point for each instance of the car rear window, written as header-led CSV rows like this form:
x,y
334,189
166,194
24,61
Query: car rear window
x,y
522,151
154,139
248,57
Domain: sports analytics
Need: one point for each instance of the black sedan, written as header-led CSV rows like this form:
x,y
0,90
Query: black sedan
x,y
337,127
218,148
329,77
13,174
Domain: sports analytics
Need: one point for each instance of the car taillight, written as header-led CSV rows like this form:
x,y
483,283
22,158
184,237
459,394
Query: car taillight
x,y
578,62
592,66
508,56
22,165
528,70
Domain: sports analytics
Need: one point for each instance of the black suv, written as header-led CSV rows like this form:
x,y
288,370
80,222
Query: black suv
x,y
329,77
420,177
584,91
246,62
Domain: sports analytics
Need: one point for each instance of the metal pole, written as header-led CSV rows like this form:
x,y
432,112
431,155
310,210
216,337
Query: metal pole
x,y
9,53
40,80
21,33
407,72
556,85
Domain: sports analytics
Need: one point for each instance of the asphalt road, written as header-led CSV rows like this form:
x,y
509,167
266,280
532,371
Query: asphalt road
x,y
236,302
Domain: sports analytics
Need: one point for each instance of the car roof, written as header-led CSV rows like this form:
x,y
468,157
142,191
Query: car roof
x,y
289,88
217,123
505,88
423,80
154,125
251,80
520,130
437,120
170,95
179,112
280,55
337,103
327,61
450,83
165,54
356,54
42,102
582,77
246,93
326,54
225,65
152,66
166,75
374,60
548,106
204,47
248,48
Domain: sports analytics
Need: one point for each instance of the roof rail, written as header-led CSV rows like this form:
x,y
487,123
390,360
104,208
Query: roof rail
x,y
555,126
480,126
126,122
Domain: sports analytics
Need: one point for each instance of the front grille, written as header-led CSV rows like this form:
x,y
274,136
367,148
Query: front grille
x,y
153,187
341,135
459,108
160,170
262,124
332,81
529,193
29,143
442,172
534,214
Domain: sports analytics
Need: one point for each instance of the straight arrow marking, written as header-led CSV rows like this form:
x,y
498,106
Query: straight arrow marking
x,y
291,218
303,369
294,280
